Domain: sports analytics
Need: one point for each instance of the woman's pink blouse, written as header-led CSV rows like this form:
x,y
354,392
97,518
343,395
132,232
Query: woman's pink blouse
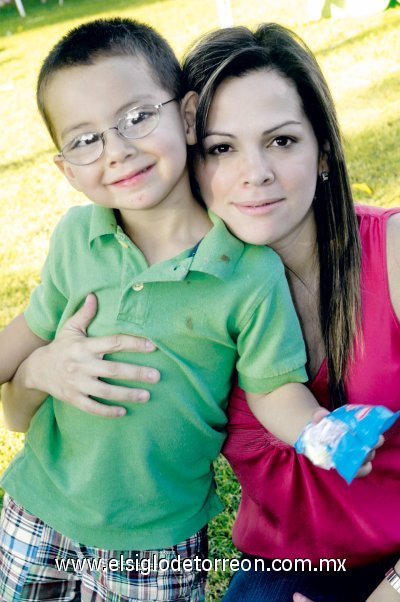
x,y
291,509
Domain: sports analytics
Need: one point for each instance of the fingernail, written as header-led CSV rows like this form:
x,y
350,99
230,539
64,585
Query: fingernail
x,y
150,345
121,412
153,375
144,396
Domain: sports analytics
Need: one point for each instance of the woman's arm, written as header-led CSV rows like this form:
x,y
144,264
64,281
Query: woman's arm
x,y
393,260
17,341
69,368
385,592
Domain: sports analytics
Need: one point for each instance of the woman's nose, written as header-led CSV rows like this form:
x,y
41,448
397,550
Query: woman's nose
x,y
256,169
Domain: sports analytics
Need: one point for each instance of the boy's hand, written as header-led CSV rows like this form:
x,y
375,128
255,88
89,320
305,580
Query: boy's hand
x,y
70,367
364,469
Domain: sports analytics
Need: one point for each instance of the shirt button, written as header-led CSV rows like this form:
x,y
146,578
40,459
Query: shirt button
x,y
138,286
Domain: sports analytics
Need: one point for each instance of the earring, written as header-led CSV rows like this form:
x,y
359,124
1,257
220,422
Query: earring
x,y
324,175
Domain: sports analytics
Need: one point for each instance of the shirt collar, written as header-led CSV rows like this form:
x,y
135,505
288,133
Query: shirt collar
x,y
217,254
102,222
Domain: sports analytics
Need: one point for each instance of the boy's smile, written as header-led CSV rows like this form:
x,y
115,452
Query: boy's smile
x,y
133,177
147,173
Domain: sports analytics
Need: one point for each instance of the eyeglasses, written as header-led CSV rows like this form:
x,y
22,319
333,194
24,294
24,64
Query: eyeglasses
x,y
136,123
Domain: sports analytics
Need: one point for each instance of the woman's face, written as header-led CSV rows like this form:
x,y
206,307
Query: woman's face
x,y
261,160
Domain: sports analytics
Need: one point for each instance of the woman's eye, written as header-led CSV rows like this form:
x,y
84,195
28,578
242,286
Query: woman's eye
x,y
282,141
218,149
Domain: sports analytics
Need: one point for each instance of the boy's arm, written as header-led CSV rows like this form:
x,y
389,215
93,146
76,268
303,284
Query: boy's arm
x,y
17,341
285,411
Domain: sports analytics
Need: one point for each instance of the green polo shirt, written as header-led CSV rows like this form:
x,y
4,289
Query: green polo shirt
x,y
145,480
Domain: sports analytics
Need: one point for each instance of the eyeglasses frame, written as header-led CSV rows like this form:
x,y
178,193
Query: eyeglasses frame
x,y
158,107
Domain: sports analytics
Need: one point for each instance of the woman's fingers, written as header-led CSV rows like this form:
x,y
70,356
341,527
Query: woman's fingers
x,y
319,415
84,403
76,326
78,367
79,322
82,380
119,342
122,371
103,390
364,470
367,467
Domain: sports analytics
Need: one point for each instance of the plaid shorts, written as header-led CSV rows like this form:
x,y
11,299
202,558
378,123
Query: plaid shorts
x,y
38,563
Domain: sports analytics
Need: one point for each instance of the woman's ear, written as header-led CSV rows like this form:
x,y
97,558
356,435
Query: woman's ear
x,y
67,170
323,163
188,112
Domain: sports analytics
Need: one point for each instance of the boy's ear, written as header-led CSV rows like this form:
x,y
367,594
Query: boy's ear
x,y
323,164
188,112
67,170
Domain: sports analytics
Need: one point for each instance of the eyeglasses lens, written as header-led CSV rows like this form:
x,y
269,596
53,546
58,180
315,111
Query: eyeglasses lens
x,y
84,149
139,122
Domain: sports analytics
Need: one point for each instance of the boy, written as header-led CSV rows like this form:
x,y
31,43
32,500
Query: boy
x,y
161,267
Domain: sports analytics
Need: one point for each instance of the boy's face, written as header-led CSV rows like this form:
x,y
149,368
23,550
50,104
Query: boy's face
x,y
138,174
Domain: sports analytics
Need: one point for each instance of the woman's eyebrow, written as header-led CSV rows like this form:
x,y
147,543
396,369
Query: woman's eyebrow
x,y
216,133
265,132
281,125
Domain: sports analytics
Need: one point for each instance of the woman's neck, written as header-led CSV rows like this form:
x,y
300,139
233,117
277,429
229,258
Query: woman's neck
x,y
299,253
300,257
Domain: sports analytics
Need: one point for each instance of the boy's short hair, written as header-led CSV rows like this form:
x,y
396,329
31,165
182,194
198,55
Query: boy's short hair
x,y
102,38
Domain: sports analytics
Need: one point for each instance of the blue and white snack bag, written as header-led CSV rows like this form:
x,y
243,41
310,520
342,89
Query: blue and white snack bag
x,y
344,438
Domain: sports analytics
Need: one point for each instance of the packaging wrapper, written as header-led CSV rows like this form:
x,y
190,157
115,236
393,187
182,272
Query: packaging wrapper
x,y
344,438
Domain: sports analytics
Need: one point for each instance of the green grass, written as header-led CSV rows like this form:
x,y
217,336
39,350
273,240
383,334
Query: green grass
x,y
359,58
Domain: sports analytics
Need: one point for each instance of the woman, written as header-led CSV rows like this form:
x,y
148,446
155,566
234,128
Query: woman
x,y
271,163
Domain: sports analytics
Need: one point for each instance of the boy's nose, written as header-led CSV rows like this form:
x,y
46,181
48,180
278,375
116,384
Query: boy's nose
x,y
117,147
256,169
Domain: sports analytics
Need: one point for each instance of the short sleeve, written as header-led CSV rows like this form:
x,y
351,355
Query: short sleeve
x,y
47,302
270,344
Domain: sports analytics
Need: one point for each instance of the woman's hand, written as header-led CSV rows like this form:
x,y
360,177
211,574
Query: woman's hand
x,y
70,367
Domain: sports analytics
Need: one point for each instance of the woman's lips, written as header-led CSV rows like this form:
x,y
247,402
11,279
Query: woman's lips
x,y
133,178
258,207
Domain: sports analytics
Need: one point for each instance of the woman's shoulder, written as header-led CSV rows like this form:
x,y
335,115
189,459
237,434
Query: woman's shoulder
x,y
393,260
375,225
375,212
380,241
